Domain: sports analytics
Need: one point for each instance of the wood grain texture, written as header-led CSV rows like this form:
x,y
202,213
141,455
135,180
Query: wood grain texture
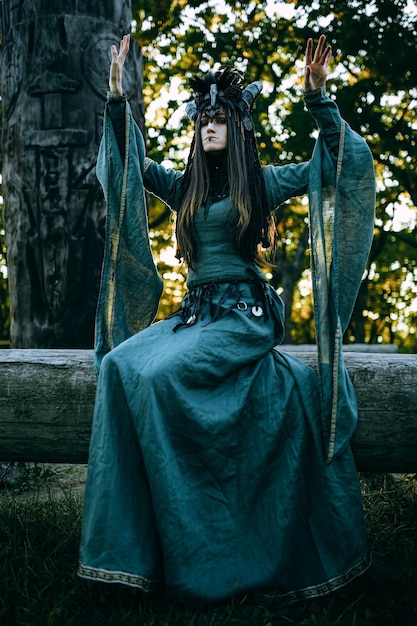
x,y
47,400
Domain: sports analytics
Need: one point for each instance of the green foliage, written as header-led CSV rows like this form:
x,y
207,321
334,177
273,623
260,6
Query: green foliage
x,y
374,80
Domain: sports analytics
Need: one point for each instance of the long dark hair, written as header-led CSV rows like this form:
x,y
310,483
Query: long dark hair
x,y
255,226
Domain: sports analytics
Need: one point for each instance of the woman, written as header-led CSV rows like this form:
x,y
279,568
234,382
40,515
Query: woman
x,y
219,465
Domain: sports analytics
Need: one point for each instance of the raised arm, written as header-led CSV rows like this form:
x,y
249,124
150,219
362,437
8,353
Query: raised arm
x,y
323,109
284,182
156,178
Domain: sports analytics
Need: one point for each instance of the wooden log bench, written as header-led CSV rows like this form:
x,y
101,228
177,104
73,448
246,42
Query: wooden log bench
x,y
47,399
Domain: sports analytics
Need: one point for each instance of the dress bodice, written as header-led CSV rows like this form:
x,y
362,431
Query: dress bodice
x,y
218,258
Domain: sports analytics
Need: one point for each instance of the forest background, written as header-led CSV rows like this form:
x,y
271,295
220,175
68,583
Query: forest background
x,y
374,80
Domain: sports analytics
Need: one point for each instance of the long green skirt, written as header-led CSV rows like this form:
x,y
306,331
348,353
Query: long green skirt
x,y
207,470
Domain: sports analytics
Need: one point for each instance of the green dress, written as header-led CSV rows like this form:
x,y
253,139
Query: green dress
x,y
218,464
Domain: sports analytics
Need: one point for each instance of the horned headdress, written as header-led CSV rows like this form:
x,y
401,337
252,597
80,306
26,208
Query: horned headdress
x,y
224,86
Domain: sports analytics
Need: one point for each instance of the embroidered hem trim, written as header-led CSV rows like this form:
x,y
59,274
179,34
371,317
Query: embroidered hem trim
x,y
315,591
133,580
265,598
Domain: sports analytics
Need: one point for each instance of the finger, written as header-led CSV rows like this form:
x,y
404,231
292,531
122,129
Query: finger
x,y
319,48
113,52
309,48
124,47
125,42
326,56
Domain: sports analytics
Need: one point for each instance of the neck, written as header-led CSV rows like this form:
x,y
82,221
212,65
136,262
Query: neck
x,y
217,167
217,161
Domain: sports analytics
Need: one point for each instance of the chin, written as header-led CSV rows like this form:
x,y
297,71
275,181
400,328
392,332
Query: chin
x,y
214,150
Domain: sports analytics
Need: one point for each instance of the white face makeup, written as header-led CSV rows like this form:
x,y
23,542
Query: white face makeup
x,y
214,132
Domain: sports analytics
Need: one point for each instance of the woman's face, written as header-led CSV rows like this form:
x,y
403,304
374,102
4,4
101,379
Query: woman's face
x,y
214,132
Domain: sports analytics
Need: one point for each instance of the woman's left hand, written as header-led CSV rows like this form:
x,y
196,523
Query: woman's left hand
x,y
316,67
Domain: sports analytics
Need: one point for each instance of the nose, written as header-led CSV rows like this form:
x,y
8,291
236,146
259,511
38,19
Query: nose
x,y
210,125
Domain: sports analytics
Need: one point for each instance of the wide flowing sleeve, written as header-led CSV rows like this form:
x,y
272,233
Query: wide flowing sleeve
x,y
341,212
130,286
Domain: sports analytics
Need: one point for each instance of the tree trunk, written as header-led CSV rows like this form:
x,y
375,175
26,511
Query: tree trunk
x,y
55,59
47,400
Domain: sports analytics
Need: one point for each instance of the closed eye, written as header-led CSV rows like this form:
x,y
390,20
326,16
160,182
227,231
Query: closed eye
x,y
219,119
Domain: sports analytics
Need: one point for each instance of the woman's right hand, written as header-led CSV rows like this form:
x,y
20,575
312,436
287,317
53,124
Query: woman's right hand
x,y
116,67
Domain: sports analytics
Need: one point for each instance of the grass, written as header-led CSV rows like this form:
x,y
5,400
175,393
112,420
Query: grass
x,y
39,537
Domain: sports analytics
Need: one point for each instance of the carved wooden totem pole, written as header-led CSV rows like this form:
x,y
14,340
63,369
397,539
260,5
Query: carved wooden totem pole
x,y
55,59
